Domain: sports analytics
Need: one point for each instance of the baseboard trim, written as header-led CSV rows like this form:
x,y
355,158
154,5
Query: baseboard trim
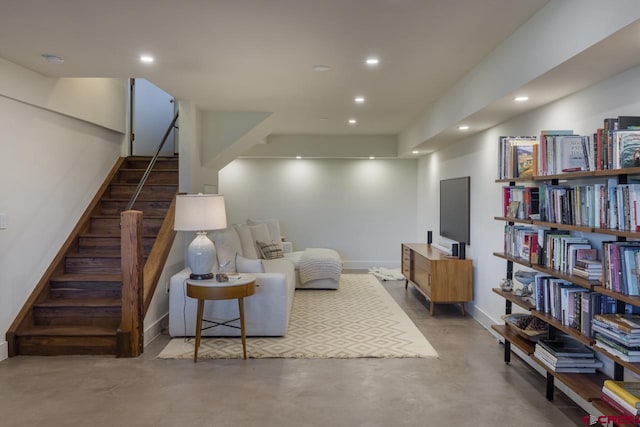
x,y
365,265
155,330
4,350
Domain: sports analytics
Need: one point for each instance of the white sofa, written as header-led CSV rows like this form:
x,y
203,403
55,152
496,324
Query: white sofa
x,y
267,312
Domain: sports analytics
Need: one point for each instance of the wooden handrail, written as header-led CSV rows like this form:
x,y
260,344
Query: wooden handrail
x,y
158,256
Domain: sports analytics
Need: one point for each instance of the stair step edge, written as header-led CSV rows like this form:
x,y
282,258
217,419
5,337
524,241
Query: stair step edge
x,y
79,302
87,278
77,331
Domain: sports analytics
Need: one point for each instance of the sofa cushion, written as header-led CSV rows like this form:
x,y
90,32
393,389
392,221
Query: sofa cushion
x,y
273,226
259,232
270,250
246,241
245,265
227,245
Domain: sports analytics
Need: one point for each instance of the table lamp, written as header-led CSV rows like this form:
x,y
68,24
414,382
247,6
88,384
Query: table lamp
x,y
199,213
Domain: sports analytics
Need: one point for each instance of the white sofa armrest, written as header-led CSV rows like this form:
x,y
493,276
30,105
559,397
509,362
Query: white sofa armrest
x,y
287,247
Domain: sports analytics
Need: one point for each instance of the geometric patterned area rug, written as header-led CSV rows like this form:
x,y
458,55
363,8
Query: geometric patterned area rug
x,y
360,319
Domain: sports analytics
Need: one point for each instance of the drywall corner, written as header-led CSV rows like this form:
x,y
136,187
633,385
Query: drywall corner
x,y
4,350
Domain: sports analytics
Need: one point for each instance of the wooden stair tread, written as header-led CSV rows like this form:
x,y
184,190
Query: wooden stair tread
x,y
78,331
87,278
122,200
92,254
152,170
118,217
133,185
111,236
80,302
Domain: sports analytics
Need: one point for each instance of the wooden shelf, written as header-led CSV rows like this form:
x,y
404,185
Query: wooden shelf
x,y
514,220
508,180
587,386
519,301
575,175
526,346
570,227
575,334
577,280
566,176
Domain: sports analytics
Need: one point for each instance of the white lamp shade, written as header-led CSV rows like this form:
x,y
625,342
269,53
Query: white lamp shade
x,y
200,212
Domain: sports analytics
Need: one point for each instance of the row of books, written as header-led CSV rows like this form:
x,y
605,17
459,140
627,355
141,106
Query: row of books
x,y
520,202
566,355
556,249
515,159
611,205
561,151
569,304
620,272
615,145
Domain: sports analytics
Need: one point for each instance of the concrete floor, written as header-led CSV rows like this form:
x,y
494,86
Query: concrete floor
x,y
469,385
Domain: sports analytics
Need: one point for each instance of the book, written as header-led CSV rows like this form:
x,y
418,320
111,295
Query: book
x,y
627,390
512,212
627,147
572,156
524,160
628,323
618,403
565,347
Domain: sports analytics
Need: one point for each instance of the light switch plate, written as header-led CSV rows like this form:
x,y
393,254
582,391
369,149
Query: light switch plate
x,y
3,221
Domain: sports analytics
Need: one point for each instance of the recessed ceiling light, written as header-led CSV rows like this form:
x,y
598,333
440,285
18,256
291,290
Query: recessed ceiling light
x,y
298,157
415,152
324,118
146,59
352,121
521,98
359,99
53,59
463,127
372,61
372,158
321,68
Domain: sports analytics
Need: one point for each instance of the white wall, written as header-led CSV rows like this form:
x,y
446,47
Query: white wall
x,y
477,156
364,209
51,166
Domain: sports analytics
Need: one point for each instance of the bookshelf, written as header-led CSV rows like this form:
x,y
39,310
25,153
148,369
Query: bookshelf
x,y
587,386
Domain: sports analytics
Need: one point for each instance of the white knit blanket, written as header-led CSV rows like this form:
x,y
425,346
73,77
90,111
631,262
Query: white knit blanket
x,y
319,263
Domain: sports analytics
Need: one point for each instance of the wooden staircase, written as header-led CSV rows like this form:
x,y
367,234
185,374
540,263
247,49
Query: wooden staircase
x,y
76,307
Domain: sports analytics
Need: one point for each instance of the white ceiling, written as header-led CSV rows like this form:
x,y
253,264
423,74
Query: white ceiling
x,y
258,55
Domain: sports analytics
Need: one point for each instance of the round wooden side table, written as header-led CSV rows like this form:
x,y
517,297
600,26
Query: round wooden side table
x,y
238,288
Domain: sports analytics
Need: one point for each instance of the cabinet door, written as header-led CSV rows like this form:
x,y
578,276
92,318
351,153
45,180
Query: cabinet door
x,y
422,273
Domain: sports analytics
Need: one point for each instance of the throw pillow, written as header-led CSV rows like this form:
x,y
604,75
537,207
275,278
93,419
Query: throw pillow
x,y
244,265
272,224
247,241
259,232
270,250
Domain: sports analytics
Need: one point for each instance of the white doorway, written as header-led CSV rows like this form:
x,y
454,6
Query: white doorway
x,y
152,111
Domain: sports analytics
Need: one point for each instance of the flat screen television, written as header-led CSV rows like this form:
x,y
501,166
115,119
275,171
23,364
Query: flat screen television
x,y
454,209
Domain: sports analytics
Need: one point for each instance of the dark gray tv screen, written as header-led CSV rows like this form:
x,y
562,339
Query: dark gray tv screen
x,y
454,209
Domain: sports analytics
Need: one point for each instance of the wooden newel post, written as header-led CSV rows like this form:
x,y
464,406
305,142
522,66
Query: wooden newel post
x,y
130,333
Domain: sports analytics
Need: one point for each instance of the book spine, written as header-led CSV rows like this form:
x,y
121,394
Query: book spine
x,y
620,391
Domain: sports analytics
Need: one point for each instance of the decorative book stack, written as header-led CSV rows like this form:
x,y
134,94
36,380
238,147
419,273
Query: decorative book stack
x,y
590,269
618,334
566,355
622,395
